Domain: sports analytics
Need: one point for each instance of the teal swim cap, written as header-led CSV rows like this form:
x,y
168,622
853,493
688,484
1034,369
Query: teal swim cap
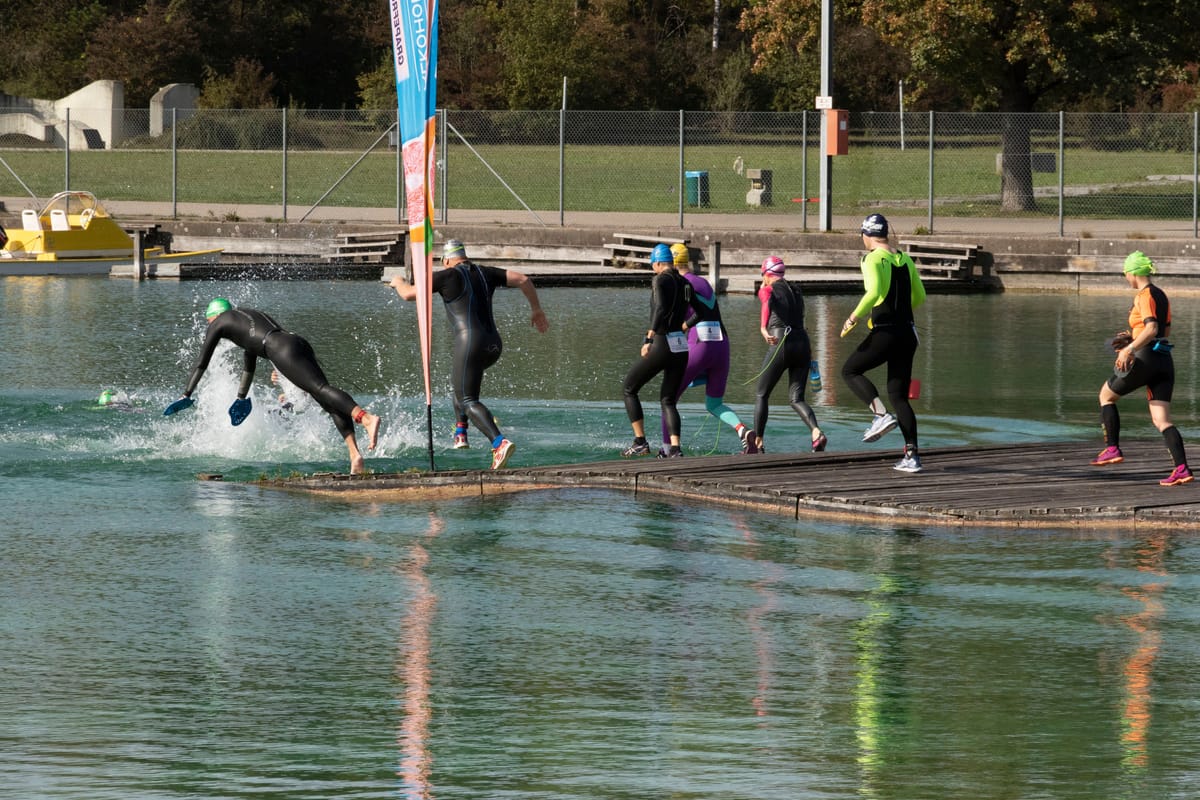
x,y
218,306
105,399
1138,263
660,254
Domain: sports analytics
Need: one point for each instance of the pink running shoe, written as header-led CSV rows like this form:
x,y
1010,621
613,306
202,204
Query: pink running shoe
x,y
820,443
1109,455
500,454
1181,475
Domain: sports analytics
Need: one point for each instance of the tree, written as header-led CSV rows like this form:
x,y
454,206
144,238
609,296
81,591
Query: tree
x,y
1002,55
144,50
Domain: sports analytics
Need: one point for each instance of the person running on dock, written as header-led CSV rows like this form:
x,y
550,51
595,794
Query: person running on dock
x,y
893,290
781,323
665,350
260,336
708,354
466,289
1143,359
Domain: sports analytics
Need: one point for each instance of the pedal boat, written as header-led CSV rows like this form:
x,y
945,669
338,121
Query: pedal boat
x,y
74,235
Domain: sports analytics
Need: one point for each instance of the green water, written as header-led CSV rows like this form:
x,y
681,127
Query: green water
x,y
164,637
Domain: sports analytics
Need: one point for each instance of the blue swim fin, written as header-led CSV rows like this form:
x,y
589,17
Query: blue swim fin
x,y
179,405
240,410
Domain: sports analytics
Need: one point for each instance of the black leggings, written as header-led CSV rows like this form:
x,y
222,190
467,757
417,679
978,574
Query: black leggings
x,y
793,354
672,366
293,356
474,352
894,345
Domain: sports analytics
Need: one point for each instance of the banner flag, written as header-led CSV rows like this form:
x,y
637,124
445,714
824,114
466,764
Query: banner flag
x,y
414,49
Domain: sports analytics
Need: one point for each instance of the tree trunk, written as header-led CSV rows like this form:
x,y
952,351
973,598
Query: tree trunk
x,y
1016,166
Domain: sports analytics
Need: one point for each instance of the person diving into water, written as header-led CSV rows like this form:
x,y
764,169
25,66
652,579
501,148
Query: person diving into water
x,y
260,336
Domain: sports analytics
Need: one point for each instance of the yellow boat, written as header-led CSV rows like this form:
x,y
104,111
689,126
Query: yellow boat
x,y
74,235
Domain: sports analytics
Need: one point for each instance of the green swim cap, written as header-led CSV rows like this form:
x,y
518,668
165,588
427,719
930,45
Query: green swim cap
x,y
1138,263
105,399
218,306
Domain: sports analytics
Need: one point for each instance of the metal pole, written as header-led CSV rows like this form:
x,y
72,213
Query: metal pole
x,y
1061,170
682,179
930,225
562,144
67,152
826,210
902,114
804,171
1195,169
283,181
174,163
445,163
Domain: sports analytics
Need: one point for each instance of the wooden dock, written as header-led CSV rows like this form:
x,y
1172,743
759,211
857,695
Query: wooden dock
x,y
1032,485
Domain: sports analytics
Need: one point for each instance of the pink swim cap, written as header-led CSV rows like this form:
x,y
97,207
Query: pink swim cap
x,y
773,265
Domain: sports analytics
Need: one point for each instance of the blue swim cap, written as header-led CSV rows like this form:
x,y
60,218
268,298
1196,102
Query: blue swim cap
x,y
661,254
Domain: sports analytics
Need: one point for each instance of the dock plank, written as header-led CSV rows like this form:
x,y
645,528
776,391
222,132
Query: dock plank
x,y
1035,485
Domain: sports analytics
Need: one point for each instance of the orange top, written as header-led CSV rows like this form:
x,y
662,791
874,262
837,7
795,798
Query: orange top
x,y
1150,304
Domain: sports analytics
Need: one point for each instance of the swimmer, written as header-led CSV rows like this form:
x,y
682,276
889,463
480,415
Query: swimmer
x,y
781,323
466,289
1143,359
664,350
708,353
260,336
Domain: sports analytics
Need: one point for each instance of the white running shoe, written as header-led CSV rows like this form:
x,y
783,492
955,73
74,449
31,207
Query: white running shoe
x,y
910,463
879,426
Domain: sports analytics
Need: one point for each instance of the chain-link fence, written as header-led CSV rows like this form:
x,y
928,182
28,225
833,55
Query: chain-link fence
x,y
548,164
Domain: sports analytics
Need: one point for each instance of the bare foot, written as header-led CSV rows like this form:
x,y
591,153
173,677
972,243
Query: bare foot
x,y
357,466
371,423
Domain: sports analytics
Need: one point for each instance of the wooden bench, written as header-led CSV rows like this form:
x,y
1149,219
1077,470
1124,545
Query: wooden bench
x,y
632,250
942,259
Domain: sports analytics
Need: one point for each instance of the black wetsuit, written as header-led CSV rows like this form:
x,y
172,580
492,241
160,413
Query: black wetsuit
x,y
467,290
792,351
669,304
892,341
260,336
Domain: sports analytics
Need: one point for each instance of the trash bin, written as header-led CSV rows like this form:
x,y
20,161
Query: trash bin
x,y
696,183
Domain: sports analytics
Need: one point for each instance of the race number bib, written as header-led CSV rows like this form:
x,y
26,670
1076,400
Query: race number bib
x,y
709,331
677,342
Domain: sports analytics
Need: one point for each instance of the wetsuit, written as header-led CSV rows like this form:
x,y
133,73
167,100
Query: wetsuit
x,y
467,289
893,290
260,336
668,309
708,352
783,317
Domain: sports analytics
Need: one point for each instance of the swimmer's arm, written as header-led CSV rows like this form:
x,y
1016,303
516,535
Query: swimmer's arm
x,y
521,281
248,365
403,288
874,290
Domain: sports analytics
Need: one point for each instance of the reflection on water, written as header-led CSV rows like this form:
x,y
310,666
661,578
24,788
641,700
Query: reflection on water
x,y
412,673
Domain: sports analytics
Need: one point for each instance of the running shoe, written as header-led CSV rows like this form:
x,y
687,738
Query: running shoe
x,y
500,454
460,441
1181,475
820,443
749,442
670,452
879,426
1109,455
636,450
910,463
